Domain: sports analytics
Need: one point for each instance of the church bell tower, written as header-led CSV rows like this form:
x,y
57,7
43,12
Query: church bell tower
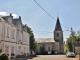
x,y
58,36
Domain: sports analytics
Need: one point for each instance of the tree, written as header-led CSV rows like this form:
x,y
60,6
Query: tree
x,y
4,56
76,40
69,44
69,41
33,44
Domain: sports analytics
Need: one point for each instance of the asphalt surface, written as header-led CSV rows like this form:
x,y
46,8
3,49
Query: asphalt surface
x,y
52,57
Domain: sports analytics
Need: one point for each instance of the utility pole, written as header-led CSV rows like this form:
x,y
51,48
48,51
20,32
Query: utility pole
x,y
72,39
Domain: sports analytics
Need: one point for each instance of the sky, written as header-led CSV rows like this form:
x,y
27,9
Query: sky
x,y
42,24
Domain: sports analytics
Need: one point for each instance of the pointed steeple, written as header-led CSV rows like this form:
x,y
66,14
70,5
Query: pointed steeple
x,y
58,26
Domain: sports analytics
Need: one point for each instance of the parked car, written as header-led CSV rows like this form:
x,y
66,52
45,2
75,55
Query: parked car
x,y
70,54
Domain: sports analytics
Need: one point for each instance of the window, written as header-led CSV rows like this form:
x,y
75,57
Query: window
x,y
48,48
9,32
19,49
57,34
21,36
13,33
12,49
6,31
25,37
24,50
40,48
7,49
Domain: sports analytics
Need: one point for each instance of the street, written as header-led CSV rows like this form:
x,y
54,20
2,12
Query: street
x,y
52,57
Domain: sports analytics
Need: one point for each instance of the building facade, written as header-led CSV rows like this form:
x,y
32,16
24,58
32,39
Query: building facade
x,y
52,44
14,38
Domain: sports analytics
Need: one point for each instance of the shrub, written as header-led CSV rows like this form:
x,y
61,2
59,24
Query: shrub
x,y
19,56
24,55
4,56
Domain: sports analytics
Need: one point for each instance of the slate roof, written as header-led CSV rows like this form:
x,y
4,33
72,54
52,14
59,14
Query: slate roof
x,y
15,21
58,25
5,18
44,40
24,28
1,19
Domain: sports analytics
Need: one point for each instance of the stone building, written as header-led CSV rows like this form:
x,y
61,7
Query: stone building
x,y
77,49
56,44
14,38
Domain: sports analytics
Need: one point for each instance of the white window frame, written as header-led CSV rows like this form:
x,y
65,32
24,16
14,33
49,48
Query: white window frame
x,y
12,49
13,34
9,31
5,31
21,36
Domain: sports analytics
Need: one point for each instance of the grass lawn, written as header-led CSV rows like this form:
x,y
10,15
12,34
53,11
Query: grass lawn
x,y
77,56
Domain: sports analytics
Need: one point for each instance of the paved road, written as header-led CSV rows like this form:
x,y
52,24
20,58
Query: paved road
x,y
52,57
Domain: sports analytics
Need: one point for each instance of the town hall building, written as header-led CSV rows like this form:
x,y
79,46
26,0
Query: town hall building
x,y
52,44
14,38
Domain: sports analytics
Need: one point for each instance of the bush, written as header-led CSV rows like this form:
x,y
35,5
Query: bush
x,y
4,56
24,55
20,56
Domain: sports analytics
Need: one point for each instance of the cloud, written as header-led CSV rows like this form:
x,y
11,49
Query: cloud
x,y
14,15
6,14
3,13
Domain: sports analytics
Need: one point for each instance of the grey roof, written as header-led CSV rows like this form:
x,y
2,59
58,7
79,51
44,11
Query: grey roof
x,y
5,18
44,40
1,19
58,26
24,28
15,21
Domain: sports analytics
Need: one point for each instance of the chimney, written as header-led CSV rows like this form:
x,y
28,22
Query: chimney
x,y
10,14
20,17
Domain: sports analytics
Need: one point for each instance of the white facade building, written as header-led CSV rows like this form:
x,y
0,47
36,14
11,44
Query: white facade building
x,y
14,38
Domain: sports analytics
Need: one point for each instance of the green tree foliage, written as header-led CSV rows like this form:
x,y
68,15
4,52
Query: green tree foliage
x,y
4,56
69,44
76,40
33,44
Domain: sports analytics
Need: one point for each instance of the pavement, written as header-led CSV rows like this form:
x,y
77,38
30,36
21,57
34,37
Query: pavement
x,y
52,57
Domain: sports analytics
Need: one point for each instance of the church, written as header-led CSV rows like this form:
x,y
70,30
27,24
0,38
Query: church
x,y
52,44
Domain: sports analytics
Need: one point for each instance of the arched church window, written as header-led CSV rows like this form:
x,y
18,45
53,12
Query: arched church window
x,y
57,34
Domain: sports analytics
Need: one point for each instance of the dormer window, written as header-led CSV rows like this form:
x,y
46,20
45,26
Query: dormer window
x,y
10,19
